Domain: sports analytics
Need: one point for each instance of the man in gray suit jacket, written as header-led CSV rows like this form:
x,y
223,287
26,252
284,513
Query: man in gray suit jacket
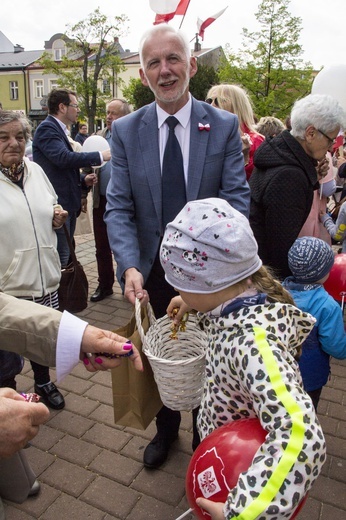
x,y
213,167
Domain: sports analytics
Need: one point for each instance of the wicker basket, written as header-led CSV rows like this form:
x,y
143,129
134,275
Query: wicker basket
x,y
178,364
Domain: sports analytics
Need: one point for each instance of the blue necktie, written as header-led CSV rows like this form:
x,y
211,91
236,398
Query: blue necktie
x,y
173,181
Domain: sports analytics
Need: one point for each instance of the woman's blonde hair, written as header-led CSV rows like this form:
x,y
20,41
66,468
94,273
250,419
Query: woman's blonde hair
x,y
234,99
264,281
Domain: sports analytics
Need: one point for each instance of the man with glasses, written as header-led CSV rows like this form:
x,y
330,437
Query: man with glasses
x,y
52,150
287,170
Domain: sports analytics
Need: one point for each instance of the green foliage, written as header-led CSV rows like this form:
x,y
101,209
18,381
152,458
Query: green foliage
x,y
91,64
270,67
139,95
205,78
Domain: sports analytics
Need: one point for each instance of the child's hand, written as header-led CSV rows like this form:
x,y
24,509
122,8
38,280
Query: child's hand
x,y
177,303
322,214
215,509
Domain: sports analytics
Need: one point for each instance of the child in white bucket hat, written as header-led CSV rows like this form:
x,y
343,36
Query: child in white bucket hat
x,y
209,255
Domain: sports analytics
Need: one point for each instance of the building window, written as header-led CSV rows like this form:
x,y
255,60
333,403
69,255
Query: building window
x,y
38,87
53,84
58,54
14,90
106,87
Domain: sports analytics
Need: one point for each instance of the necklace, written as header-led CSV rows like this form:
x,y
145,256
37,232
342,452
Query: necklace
x,y
13,172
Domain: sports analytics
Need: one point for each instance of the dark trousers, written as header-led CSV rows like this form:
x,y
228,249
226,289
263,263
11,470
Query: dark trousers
x,y
11,364
41,373
104,257
315,396
161,293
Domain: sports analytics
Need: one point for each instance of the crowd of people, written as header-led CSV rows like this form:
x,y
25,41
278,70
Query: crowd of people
x,y
242,233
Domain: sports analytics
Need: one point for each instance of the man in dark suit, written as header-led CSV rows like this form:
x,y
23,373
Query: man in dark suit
x,y
213,166
52,150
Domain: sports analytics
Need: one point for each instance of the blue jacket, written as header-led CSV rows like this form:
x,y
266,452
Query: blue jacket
x,y
134,192
53,152
328,337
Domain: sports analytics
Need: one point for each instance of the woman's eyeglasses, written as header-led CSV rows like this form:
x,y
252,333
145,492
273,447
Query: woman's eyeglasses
x,y
212,100
331,140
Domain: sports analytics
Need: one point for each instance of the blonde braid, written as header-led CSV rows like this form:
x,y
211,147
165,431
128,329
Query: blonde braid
x,y
264,281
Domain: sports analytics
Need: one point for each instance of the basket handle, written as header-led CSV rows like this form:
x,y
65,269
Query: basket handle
x,y
138,316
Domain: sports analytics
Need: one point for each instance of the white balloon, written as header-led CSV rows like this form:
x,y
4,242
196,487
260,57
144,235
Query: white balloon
x,y
332,80
168,6
95,143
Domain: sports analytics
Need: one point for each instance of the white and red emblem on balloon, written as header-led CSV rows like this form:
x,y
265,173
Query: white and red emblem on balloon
x,y
216,464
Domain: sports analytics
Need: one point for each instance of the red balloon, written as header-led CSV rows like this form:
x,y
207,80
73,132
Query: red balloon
x,y
335,285
218,461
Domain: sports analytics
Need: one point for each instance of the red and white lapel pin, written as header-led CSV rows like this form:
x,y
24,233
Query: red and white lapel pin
x,y
204,127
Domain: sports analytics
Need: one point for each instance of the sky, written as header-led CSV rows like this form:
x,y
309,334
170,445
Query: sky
x,y
30,23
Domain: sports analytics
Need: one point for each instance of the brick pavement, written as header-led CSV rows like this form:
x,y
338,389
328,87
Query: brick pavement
x,y
90,468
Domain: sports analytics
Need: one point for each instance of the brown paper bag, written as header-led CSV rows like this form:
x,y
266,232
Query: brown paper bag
x,y
136,398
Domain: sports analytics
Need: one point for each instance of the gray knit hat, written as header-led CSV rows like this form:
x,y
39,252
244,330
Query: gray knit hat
x,y
310,259
207,247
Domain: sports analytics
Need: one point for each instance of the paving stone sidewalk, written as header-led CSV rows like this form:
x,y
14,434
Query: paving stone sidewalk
x,y
90,468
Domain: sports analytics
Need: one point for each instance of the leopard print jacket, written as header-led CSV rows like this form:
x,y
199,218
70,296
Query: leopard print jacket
x,y
251,372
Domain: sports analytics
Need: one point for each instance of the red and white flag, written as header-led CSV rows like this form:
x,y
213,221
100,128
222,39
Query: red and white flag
x,y
182,7
201,26
339,141
166,9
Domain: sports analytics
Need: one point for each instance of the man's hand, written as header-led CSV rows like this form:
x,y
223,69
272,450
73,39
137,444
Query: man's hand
x,y
98,344
91,179
134,287
106,154
19,421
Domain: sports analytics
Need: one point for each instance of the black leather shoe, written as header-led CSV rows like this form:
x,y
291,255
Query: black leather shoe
x,y
157,451
51,396
100,294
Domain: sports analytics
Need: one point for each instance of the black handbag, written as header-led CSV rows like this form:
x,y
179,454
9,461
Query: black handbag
x,y
73,289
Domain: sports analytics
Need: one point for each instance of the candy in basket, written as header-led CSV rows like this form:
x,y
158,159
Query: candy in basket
x,y
177,358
